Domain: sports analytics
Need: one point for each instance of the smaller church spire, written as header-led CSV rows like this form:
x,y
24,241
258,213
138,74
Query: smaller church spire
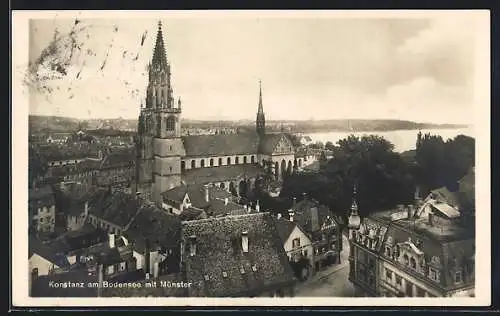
x,y
261,119
159,54
354,220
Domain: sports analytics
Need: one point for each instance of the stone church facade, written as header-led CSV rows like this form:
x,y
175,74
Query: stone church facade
x,y
166,159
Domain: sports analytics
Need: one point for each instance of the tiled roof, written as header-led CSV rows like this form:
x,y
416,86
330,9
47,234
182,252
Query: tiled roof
x,y
220,145
310,215
196,194
218,207
221,269
117,207
191,213
157,226
68,152
285,228
445,209
444,195
40,192
120,159
36,246
222,173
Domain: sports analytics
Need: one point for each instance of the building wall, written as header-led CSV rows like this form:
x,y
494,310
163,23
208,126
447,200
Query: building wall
x,y
45,218
43,265
305,247
217,161
394,281
107,226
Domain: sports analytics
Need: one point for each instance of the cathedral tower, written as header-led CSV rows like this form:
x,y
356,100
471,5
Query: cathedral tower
x,y
261,119
159,131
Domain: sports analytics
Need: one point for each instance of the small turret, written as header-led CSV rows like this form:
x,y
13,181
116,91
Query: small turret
x,y
354,220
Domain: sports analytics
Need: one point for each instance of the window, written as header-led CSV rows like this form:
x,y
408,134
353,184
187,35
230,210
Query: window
x,y
228,160
193,163
170,168
170,147
206,277
220,161
413,263
170,123
458,277
183,165
202,163
305,253
296,243
245,159
399,280
252,159
388,251
254,268
123,266
405,259
41,219
224,274
211,162
388,274
111,269
237,160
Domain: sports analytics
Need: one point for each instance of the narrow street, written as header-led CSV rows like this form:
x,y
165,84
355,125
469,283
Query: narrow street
x,y
331,282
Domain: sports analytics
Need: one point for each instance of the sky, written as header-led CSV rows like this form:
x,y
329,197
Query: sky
x,y
419,69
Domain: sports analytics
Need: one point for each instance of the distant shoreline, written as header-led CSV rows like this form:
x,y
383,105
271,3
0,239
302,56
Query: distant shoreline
x,y
39,123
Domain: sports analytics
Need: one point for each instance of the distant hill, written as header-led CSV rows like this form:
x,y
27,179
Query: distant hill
x,y
39,123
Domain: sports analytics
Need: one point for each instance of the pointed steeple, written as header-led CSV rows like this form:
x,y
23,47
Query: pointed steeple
x,y
354,220
261,107
159,55
261,119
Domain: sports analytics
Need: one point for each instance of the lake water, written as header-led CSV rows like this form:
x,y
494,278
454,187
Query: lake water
x,y
402,139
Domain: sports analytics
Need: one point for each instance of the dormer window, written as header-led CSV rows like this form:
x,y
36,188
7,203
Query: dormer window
x,y
207,278
224,274
406,259
254,268
413,263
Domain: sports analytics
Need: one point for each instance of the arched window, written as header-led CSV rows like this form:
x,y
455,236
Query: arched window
x,y
193,164
245,159
202,163
253,159
220,161
237,160
170,123
228,160
405,259
211,162
413,263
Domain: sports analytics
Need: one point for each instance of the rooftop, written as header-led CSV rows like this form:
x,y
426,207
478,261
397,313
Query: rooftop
x,y
222,173
220,268
221,145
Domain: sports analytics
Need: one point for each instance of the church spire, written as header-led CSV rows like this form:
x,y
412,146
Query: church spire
x,y
159,54
261,119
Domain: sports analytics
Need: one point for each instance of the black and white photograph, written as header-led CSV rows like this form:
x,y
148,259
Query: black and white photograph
x,y
250,158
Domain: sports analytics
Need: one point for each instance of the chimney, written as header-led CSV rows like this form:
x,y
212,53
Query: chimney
x,y
100,278
244,241
207,195
156,269
290,214
257,207
304,195
111,240
294,204
226,200
192,245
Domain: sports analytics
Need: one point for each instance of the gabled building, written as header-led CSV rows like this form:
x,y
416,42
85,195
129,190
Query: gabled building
x,y
201,201
155,239
42,209
298,246
322,229
235,256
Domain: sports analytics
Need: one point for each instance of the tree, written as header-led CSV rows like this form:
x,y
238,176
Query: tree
x,y
382,177
442,163
317,145
329,145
